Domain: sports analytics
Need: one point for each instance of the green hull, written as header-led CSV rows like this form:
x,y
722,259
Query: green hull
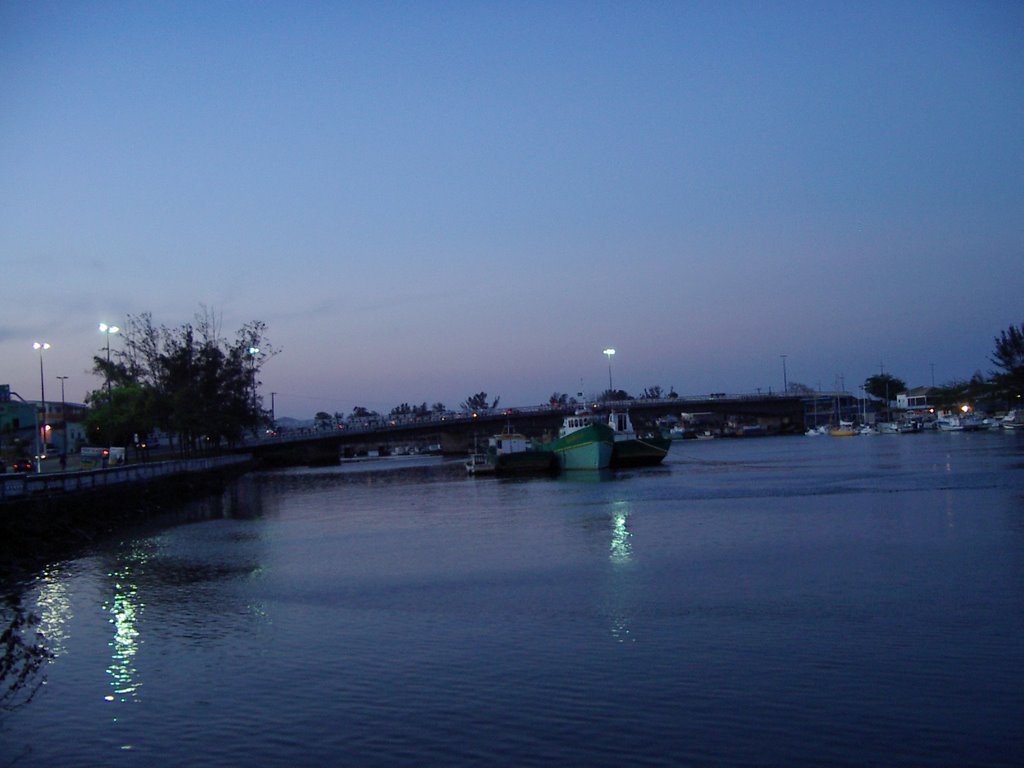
x,y
641,452
587,448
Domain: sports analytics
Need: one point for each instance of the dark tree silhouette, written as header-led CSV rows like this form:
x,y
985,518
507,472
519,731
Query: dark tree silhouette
x,y
1008,357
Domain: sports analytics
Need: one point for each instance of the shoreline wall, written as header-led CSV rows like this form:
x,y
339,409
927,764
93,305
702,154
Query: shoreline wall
x,y
48,516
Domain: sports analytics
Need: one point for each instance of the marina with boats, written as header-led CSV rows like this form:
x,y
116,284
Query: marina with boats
x,y
585,441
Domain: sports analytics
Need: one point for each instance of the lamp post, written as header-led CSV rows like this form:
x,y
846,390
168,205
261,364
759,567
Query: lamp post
x,y
41,346
106,330
253,351
785,381
63,415
609,352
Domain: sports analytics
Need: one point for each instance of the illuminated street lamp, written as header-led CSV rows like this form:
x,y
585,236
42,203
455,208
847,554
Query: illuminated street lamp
x,y
41,346
106,330
610,352
253,351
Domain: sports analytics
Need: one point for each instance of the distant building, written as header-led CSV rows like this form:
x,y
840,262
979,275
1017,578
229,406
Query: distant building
x,y
915,399
16,416
19,420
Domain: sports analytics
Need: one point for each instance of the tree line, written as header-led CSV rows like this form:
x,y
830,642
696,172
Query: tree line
x,y
189,381
193,382
1003,388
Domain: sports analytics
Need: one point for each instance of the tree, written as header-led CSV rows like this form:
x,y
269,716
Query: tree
x,y
189,381
615,395
22,655
1008,357
884,386
478,402
558,400
652,393
796,388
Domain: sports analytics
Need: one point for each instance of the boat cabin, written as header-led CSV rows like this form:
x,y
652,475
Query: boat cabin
x,y
579,420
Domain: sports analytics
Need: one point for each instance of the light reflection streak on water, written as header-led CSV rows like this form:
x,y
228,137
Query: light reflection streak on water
x,y
620,555
125,609
621,548
55,612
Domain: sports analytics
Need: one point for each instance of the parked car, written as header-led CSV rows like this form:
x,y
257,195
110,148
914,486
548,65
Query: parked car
x,y
22,465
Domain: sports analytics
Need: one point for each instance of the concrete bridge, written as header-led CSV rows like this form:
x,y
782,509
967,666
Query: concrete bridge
x,y
456,435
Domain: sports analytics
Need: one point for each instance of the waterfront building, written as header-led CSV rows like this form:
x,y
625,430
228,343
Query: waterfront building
x,y
20,418
915,399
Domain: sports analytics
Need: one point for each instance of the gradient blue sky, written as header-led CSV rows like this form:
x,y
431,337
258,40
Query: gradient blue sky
x,y
425,200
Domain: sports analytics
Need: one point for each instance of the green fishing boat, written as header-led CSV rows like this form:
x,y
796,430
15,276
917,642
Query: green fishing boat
x,y
583,442
632,450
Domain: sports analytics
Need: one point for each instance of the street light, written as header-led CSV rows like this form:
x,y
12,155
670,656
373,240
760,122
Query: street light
x,y
106,330
609,352
41,346
785,381
253,351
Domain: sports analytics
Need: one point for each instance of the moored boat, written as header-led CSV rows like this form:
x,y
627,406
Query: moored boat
x,y
511,453
632,450
845,429
583,443
1013,420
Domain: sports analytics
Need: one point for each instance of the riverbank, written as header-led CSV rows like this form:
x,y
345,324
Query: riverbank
x,y
47,514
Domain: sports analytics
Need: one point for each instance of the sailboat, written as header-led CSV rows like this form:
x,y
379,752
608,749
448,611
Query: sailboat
x,y
845,428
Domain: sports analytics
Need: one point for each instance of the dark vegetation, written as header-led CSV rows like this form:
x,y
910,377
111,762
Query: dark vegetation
x,y
188,381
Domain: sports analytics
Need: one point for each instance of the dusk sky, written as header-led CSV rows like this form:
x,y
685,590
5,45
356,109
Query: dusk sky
x,y
424,200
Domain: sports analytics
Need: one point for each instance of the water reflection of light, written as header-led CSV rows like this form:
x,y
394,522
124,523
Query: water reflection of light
x,y
124,610
620,554
621,548
54,609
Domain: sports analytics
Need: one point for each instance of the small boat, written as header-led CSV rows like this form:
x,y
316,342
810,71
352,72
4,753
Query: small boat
x,y
817,431
845,429
631,450
583,442
949,424
511,453
972,422
1013,420
477,464
679,432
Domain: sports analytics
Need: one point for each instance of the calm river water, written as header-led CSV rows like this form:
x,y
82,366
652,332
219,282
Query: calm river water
x,y
772,601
